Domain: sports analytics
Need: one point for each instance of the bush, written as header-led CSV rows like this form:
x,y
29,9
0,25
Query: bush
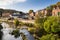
x,y
23,36
16,22
40,32
16,33
31,30
21,23
52,24
50,37
29,24
46,26
39,22
46,37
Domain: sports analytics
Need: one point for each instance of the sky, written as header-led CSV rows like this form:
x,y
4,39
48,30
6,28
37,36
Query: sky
x,y
26,5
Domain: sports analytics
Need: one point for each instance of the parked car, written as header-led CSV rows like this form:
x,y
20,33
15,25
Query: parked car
x,y
25,17
14,15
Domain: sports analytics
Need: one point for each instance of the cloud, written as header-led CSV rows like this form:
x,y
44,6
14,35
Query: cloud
x,y
8,2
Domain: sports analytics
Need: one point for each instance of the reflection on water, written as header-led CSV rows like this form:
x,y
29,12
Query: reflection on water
x,y
6,36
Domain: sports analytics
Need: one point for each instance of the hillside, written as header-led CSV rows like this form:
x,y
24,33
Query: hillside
x,y
9,10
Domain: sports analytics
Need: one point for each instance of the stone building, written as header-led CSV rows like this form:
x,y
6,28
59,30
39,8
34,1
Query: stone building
x,y
31,15
56,11
41,12
6,14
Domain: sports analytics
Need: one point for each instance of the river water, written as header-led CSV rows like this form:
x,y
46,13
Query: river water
x,y
6,36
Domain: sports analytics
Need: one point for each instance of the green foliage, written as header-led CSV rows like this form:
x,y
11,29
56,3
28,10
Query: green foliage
x,y
16,22
40,14
52,24
46,37
50,37
32,31
30,11
16,33
40,32
21,23
29,24
59,13
39,22
49,10
53,6
55,27
46,26
23,36
58,4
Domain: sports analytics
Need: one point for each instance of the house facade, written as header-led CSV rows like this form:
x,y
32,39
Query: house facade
x,y
32,15
56,11
6,14
41,12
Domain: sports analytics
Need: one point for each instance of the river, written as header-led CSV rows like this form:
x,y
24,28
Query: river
x,y
6,36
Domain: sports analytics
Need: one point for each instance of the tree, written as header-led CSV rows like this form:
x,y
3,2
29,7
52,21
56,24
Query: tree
x,y
58,4
50,8
30,11
53,6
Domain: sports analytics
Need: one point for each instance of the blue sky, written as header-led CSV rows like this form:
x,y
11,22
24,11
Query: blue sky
x,y
26,5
